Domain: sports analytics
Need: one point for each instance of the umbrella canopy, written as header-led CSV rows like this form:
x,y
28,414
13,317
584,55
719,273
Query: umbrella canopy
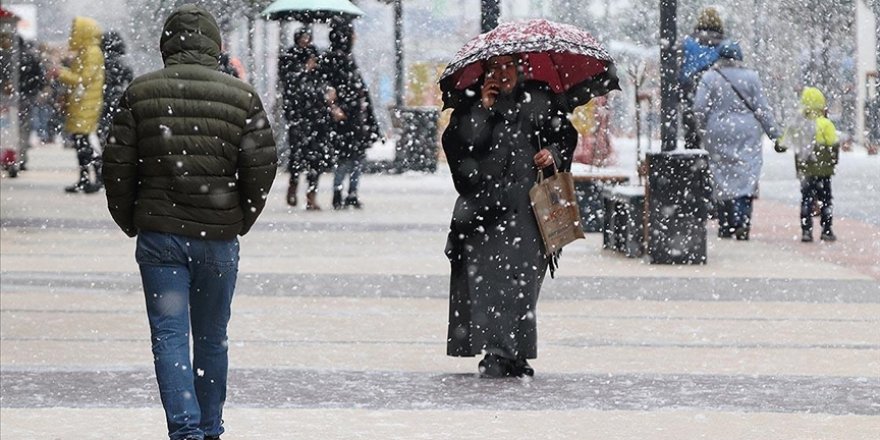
x,y
308,11
560,55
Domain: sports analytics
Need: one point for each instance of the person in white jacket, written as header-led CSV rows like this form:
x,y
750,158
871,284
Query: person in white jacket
x,y
733,115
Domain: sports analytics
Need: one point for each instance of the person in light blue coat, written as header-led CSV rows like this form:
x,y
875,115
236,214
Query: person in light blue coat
x,y
733,115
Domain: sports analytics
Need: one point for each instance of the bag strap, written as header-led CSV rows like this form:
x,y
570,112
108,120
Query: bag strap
x,y
741,97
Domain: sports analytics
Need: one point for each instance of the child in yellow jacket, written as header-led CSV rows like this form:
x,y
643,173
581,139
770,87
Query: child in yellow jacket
x,y
816,148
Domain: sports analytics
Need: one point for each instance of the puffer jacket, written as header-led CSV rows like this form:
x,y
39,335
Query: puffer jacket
x,y
85,77
191,151
813,137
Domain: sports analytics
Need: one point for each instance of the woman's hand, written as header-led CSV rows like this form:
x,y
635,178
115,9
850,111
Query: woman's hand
x,y
543,159
489,92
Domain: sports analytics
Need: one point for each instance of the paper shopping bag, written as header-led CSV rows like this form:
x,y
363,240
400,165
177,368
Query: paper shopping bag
x,y
556,210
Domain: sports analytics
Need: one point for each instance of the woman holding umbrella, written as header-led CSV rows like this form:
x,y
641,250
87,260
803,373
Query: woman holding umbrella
x,y
508,124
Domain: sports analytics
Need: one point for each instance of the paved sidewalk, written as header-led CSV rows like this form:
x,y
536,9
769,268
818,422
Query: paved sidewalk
x,y
338,329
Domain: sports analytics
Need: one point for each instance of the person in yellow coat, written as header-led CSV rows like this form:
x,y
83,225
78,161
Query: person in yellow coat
x,y
84,80
816,151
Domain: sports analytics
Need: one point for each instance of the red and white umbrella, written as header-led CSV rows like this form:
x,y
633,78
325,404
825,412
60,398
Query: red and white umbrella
x,y
560,55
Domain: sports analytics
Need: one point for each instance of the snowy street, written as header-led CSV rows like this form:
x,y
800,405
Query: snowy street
x,y
339,324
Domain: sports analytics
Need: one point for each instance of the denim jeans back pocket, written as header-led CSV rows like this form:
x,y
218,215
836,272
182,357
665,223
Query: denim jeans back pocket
x,y
154,248
222,256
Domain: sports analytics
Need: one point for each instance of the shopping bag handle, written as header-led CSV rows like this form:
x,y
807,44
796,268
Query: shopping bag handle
x,y
541,171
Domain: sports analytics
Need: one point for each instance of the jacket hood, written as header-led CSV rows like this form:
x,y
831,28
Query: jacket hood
x,y
190,36
813,102
86,32
112,43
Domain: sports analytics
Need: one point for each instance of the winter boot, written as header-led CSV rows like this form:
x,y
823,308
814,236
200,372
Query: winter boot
x,y
828,235
352,200
83,185
311,202
337,199
291,193
806,236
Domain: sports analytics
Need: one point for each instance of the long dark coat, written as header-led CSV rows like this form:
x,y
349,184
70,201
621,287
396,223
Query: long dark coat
x,y
495,248
305,110
117,76
352,136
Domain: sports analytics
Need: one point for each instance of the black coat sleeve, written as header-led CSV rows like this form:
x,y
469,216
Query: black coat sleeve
x,y
121,168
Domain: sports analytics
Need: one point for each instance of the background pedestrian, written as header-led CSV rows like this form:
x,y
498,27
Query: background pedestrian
x,y
733,113
353,124
816,151
306,113
84,80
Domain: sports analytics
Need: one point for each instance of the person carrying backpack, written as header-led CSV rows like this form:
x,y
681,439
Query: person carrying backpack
x,y
816,151
699,52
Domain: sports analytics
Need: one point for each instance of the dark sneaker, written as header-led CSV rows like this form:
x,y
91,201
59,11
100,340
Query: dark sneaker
x,y
212,437
78,188
724,233
353,202
742,233
806,236
90,188
828,236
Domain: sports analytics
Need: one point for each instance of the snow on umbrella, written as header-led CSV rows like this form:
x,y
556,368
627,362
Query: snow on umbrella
x,y
308,11
560,55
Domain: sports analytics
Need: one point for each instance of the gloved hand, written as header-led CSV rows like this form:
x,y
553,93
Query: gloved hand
x,y
779,147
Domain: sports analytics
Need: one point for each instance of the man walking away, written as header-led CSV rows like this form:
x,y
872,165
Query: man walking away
x,y
189,163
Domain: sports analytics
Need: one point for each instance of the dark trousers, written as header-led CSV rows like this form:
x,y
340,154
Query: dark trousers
x,y
86,157
735,214
816,189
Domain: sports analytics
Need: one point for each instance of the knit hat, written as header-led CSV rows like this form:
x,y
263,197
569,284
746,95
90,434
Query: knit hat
x,y
710,20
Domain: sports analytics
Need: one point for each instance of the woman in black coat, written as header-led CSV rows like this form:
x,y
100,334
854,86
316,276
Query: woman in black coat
x,y
117,76
353,123
305,110
496,144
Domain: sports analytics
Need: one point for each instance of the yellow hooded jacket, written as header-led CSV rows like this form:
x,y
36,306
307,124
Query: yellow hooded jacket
x,y
813,137
85,77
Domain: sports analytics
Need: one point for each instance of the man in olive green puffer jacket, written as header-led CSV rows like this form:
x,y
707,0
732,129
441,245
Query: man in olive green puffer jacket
x,y
189,162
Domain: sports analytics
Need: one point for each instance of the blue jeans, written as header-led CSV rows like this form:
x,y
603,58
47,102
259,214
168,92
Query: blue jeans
x,y
350,166
188,284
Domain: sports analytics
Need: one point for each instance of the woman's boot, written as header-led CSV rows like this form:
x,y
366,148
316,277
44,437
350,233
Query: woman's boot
x,y
311,201
337,199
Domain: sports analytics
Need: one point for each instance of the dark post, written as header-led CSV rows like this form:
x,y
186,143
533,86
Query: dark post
x,y
668,74
490,11
398,53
